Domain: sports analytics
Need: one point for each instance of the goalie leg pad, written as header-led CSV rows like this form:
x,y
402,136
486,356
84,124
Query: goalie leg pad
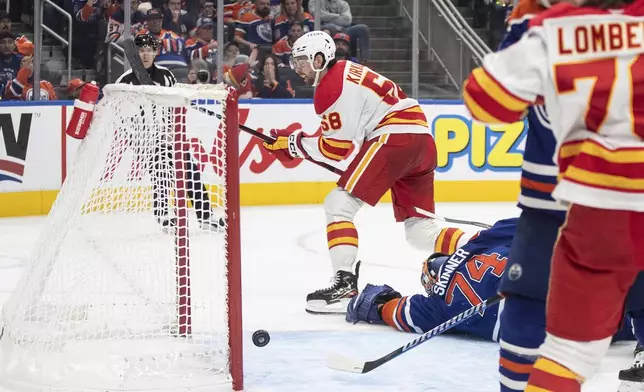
x,y
364,307
341,207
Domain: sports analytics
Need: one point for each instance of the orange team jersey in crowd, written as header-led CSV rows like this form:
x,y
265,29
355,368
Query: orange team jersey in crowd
x,y
525,8
21,87
282,49
255,29
198,48
358,104
281,25
234,11
24,46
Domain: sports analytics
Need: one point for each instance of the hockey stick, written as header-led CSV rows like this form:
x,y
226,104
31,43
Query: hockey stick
x,y
340,362
337,171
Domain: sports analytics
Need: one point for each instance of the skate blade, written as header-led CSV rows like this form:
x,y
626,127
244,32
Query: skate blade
x,y
631,386
321,307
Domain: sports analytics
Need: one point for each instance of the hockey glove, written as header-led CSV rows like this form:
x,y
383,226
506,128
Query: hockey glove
x,y
364,307
286,146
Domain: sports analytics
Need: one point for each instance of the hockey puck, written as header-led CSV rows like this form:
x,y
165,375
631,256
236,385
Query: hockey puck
x,y
261,338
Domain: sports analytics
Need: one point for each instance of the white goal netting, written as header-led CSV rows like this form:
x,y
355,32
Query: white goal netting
x,y
128,285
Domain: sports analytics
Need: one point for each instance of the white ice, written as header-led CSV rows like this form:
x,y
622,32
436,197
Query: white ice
x,y
285,257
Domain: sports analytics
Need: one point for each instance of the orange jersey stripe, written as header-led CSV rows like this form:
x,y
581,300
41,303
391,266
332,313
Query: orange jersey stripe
x,y
537,185
389,311
514,366
399,311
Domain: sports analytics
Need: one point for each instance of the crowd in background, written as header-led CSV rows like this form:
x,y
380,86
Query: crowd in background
x,y
259,35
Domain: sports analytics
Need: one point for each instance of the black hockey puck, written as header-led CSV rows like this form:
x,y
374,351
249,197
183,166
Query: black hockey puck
x,y
261,338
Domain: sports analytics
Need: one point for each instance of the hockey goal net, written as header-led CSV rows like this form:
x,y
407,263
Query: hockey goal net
x,y
134,283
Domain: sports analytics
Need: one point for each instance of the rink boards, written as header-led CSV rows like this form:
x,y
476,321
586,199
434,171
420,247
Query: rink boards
x,y
475,162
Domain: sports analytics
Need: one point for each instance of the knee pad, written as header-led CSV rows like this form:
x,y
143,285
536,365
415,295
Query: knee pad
x,y
340,205
523,329
422,233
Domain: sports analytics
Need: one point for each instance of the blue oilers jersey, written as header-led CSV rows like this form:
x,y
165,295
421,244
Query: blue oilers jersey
x,y
539,171
470,276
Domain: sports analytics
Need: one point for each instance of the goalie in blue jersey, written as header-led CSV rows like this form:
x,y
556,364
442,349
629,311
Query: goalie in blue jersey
x,y
454,283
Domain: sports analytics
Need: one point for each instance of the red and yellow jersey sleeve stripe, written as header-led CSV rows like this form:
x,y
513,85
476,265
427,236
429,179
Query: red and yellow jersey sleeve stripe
x,y
489,102
410,116
447,241
590,163
334,149
341,233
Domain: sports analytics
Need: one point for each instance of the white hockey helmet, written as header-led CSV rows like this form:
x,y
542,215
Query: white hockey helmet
x,y
311,44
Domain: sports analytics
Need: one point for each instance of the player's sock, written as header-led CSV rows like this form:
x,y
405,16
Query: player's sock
x,y
550,376
342,239
522,332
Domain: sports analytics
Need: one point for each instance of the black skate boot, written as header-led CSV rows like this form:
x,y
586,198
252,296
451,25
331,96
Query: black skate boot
x,y
168,225
334,299
633,378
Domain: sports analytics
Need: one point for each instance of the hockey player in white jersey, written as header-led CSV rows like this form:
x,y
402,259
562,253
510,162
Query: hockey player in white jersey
x,y
396,152
586,64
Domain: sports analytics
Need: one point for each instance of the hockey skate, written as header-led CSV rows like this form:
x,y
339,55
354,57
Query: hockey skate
x,y
168,225
633,378
213,223
334,299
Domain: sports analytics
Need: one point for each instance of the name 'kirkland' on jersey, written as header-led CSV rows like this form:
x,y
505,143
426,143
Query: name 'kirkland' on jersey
x,y
358,104
587,65
539,170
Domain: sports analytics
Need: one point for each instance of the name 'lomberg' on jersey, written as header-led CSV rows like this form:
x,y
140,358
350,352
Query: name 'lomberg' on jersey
x,y
600,37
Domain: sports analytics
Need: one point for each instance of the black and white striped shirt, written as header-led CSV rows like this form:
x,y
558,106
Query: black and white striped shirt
x,y
161,76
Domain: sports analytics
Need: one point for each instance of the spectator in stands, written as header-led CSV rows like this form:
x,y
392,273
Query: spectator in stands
x,y
231,51
178,22
199,72
236,10
343,47
291,12
335,15
268,84
254,28
172,47
23,45
9,59
116,22
283,48
208,10
202,45
20,88
88,14
499,11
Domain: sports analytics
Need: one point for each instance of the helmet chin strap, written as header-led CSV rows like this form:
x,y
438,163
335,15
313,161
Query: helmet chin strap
x,y
317,73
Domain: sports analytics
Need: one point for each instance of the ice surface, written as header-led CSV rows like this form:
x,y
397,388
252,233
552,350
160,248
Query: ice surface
x,y
284,258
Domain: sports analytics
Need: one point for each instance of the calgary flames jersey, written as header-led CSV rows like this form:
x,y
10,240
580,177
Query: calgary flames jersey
x,y
357,104
587,64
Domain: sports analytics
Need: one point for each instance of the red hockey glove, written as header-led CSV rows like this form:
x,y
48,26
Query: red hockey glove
x,y
286,146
